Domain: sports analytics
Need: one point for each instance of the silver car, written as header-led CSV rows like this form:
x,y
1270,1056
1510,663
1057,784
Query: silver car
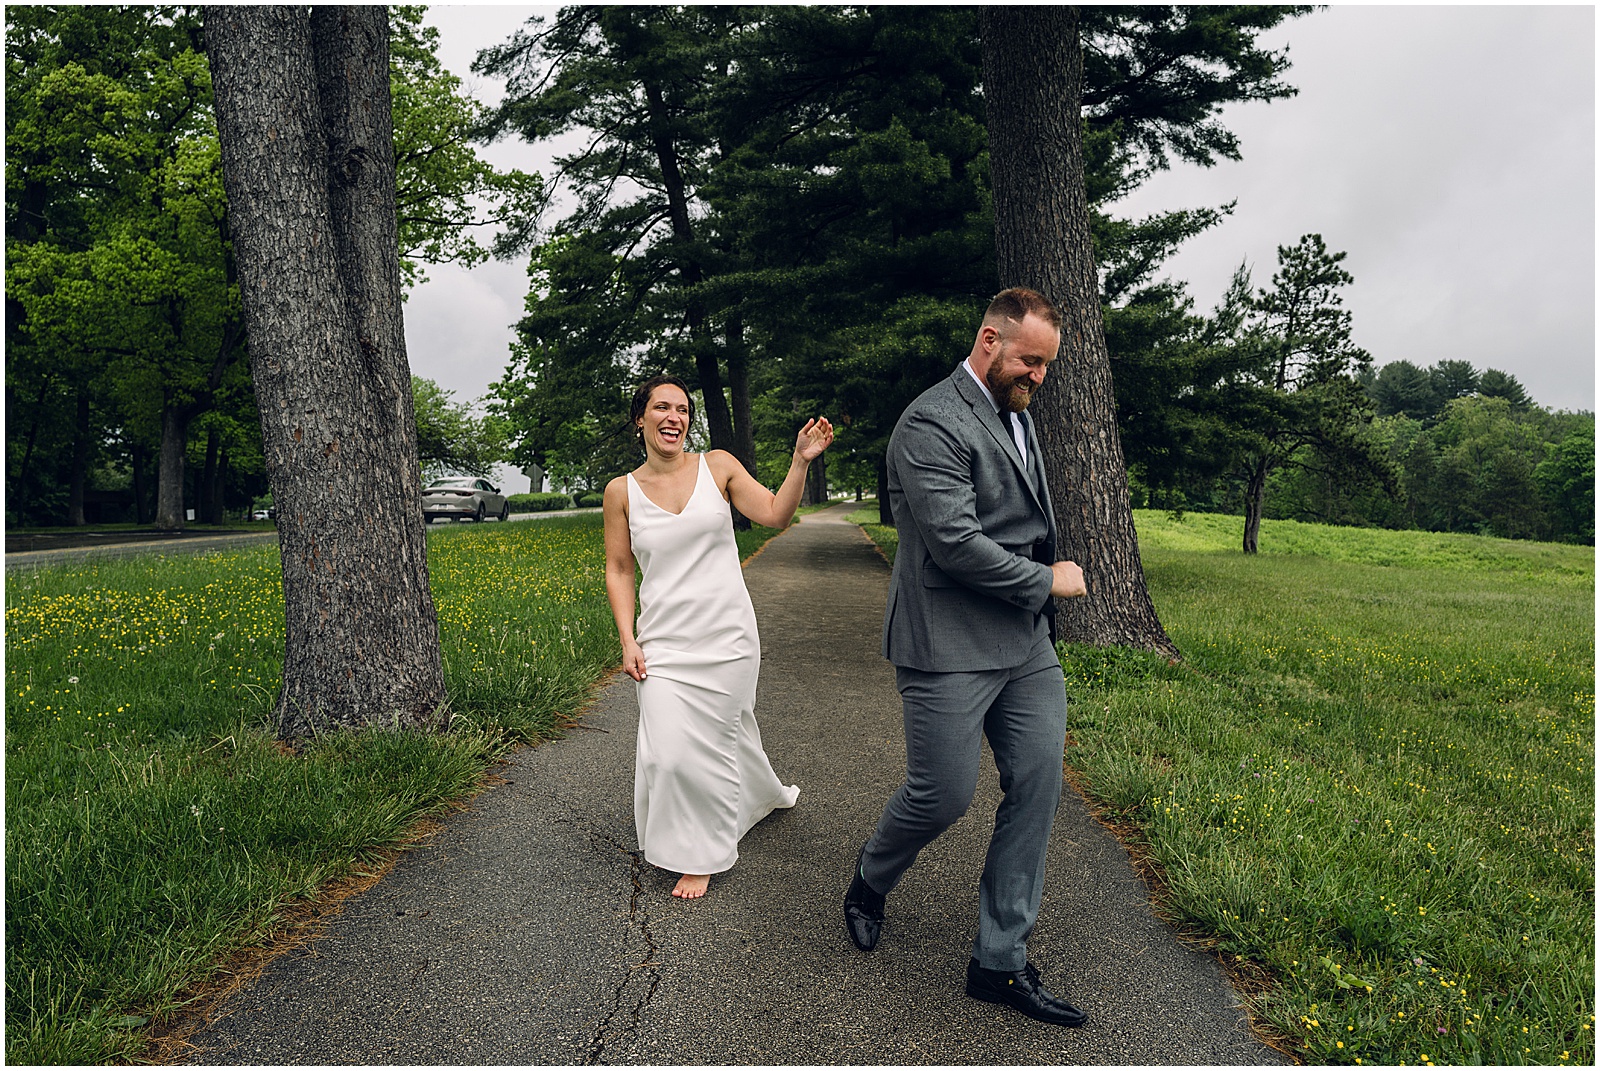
x,y
463,496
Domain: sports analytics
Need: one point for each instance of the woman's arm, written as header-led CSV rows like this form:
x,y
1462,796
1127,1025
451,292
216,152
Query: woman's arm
x,y
753,500
619,574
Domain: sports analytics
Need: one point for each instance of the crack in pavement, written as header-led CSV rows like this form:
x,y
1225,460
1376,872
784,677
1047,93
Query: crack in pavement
x,y
639,918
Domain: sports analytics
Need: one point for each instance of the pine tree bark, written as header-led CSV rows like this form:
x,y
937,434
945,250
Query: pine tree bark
x,y
1033,86
708,370
744,443
303,116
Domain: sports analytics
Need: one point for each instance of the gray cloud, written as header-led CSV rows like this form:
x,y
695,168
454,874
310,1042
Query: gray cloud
x,y
1450,152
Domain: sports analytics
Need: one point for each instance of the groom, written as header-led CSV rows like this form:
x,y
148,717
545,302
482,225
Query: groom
x,y
969,627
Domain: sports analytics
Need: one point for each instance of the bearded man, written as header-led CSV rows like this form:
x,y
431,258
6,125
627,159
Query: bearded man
x,y
970,629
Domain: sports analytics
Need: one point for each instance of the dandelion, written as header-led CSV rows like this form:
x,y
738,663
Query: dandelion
x,y
72,680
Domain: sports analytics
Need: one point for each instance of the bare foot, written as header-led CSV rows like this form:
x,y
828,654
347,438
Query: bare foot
x,y
691,886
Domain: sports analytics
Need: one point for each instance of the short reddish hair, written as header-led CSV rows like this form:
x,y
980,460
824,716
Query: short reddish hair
x,y
1018,302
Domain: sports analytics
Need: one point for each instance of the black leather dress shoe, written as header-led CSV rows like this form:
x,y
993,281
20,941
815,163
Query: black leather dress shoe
x,y
1023,991
863,912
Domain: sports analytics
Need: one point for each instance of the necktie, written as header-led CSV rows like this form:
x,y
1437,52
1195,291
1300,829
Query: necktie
x,y
1010,420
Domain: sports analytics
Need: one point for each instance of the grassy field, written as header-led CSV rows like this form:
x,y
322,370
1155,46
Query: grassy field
x,y
1370,782
152,824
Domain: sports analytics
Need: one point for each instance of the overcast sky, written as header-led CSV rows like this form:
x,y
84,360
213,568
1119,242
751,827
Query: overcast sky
x,y
1448,150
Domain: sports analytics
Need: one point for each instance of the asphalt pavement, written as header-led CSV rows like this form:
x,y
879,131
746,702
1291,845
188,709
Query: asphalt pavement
x,y
529,930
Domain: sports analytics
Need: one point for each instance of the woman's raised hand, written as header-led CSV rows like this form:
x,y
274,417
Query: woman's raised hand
x,y
814,438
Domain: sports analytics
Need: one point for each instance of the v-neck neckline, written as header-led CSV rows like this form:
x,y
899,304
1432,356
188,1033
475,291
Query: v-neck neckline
x,y
699,465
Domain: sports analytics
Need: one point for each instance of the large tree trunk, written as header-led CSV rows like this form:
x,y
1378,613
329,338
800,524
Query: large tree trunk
x,y
303,115
1033,83
169,471
719,422
1255,500
80,461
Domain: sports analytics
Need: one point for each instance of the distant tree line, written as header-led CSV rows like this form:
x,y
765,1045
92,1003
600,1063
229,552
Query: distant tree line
x,y
1443,449
1464,452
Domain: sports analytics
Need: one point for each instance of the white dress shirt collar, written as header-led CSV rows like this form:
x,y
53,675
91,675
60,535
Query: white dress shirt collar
x,y
1018,435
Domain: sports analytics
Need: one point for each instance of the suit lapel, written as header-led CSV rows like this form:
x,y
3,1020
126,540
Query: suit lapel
x,y
968,389
1037,478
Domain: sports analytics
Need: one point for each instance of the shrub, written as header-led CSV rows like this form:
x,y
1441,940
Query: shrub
x,y
538,502
589,498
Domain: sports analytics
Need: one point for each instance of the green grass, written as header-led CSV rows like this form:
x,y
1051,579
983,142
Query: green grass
x,y
153,826
888,539
1371,776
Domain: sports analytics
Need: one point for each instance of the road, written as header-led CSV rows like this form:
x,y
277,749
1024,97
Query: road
x,y
55,548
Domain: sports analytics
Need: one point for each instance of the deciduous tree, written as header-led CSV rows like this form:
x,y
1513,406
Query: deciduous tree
x,y
303,115
123,329
117,271
1566,476
450,437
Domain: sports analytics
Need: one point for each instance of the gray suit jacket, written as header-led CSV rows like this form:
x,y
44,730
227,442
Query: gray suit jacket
x,y
966,593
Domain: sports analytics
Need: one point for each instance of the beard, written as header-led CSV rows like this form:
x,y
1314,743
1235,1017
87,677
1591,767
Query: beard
x,y
1005,389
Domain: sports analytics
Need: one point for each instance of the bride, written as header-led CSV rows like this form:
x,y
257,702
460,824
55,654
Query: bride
x,y
701,779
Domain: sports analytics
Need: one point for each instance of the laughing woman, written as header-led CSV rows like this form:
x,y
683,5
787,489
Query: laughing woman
x,y
701,779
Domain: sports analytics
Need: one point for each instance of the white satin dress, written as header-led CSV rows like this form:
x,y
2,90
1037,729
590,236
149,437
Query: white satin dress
x,y
701,779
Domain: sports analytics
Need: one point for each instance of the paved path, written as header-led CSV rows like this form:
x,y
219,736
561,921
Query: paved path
x,y
530,931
